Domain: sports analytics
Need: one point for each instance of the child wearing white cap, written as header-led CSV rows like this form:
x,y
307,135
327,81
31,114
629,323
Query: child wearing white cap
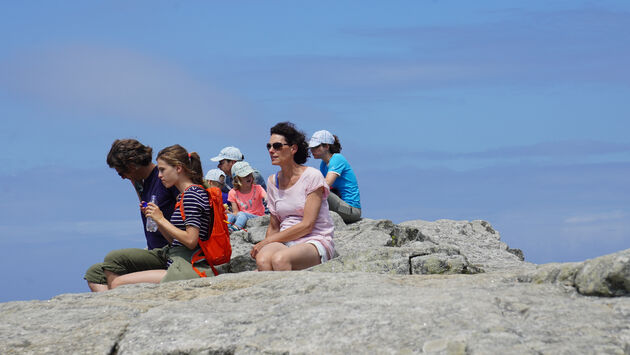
x,y
216,178
247,197
226,159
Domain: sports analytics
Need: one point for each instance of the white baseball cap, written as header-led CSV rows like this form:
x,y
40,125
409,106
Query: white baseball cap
x,y
241,169
229,153
321,137
214,175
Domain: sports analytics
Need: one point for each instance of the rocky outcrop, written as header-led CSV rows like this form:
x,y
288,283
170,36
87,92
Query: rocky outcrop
x,y
443,287
414,247
608,275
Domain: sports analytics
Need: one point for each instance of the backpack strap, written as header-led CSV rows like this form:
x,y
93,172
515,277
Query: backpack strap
x,y
277,182
180,203
217,225
198,256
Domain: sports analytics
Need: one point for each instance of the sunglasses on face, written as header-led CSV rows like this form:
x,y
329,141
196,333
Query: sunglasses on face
x,y
276,146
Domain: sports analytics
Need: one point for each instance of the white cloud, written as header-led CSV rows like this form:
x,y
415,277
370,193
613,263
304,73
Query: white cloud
x,y
118,82
596,217
598,230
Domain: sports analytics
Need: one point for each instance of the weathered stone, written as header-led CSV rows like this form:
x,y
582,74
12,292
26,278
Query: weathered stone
x,y
554,273
441,264
477,240
607,275
363,301
315,312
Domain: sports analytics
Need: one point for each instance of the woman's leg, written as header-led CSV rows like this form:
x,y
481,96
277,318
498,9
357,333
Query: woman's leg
x,y
348,213
296,257
149,276
265,255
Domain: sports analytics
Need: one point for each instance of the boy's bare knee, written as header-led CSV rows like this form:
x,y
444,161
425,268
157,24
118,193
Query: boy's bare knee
x,y
94,287
111,277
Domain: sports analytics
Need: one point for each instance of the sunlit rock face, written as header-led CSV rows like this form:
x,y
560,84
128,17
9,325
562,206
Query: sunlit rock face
x,y
443,287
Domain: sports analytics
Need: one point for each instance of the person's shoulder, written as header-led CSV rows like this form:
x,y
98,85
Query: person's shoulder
x,y
310,170
196,188
339,158
312,173
196,192
271,180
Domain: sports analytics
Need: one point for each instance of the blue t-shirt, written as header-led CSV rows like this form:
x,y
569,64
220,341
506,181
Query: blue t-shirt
x,y
165,200
346,182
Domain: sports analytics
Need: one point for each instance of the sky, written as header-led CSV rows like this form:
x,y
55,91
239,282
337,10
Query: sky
x,y
514,112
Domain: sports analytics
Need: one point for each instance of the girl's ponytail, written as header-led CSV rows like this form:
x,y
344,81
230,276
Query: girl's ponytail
x,y
196,171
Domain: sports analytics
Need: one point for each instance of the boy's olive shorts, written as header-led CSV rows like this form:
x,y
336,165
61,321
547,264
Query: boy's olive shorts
x,y
125,261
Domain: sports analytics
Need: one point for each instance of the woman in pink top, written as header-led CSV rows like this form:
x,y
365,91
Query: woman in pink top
x,y
300,232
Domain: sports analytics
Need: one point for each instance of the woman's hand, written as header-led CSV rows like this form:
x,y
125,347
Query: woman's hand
x,y
272,230
153,211
258,247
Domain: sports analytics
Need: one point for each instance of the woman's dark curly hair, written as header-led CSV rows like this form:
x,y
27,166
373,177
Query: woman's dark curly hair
x,y
126,152
293,136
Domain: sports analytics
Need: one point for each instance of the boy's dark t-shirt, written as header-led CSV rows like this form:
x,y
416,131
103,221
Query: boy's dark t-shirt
x,y
165,200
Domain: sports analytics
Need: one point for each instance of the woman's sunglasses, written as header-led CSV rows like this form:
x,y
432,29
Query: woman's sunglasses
x,y
276,146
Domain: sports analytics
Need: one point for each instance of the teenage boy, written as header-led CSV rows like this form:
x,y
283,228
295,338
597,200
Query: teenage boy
x,y
133,161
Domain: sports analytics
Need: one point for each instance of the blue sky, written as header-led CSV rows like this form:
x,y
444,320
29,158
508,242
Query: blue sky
x,y
512,112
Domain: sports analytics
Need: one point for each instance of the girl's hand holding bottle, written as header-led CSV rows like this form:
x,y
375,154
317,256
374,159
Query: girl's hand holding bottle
x,y
152,210
153,214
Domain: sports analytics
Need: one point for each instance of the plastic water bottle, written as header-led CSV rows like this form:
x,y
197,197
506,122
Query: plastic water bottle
x,y
151,225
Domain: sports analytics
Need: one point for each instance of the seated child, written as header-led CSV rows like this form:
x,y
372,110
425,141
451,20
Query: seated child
x,y
246,197
216,178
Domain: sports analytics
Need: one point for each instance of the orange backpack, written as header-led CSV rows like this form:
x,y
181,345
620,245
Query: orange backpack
x,y
215,248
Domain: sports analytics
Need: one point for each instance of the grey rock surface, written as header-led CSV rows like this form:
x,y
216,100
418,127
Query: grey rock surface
x,y
444,287
607,275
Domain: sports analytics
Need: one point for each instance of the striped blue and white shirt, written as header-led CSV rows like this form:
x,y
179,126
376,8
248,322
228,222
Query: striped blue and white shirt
x,y
197,210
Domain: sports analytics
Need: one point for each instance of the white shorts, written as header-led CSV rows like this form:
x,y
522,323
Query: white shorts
x,y
320,249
